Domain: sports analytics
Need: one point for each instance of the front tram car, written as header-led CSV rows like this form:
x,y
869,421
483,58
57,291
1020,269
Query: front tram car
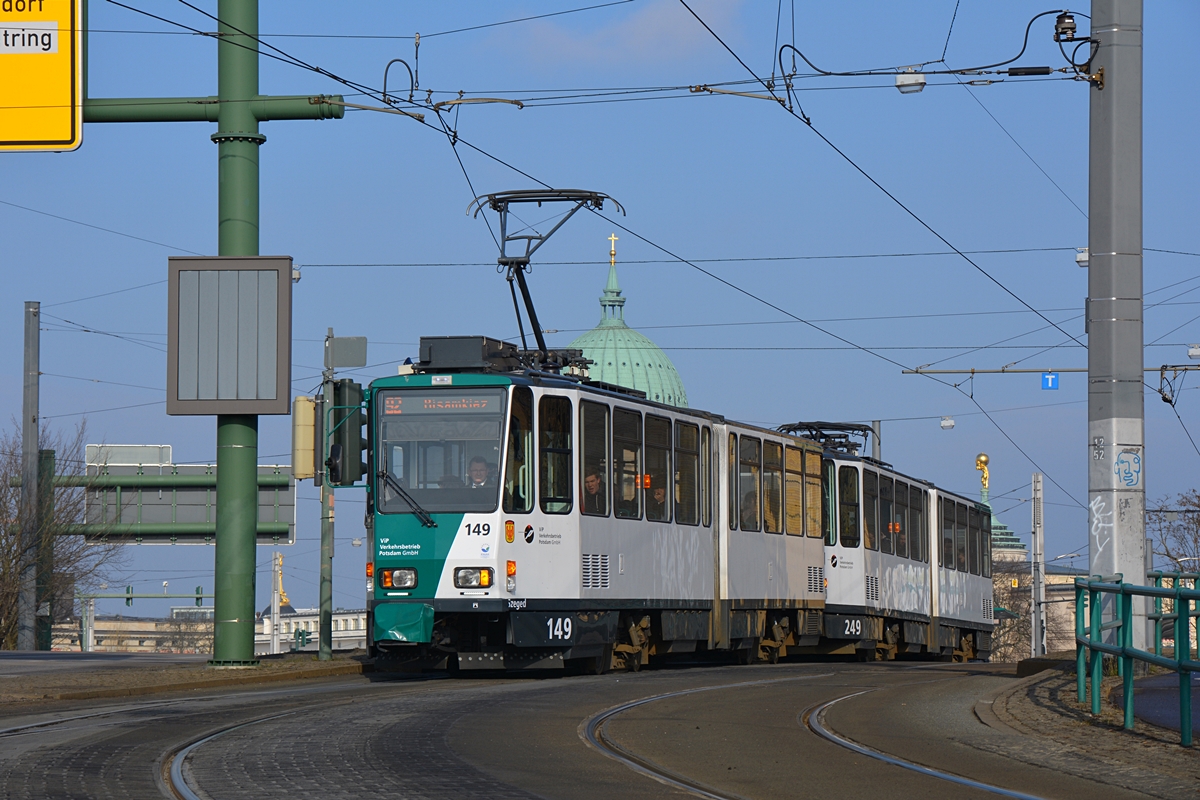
x,y
521,518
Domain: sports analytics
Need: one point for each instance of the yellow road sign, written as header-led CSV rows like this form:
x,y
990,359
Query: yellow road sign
x,y
41,75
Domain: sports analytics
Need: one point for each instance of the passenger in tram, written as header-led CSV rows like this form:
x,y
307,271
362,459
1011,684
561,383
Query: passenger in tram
x,y
594,501
656,503
750,511
480,473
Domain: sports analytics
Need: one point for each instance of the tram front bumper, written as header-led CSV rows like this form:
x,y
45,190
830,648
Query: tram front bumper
x,y
403,622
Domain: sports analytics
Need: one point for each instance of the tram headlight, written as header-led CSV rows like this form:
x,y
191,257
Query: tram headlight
x,y
405,578
473,577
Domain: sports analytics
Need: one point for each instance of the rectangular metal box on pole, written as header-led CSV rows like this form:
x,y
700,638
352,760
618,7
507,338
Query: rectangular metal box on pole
x,y
229,335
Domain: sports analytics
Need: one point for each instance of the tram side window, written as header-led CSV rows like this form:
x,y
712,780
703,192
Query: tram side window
x,y
918,534
593,490
687,474
870,509
706,481
985,549
973,521
947,514
627,463
960,538
814,497
772,487
794,491
848,506
733,483
750,483
518,464
554,442
828,502
657,483
900,515
887,517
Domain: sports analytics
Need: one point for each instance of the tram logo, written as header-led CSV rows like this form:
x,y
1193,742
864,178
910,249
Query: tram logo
x,y
528,534
833,560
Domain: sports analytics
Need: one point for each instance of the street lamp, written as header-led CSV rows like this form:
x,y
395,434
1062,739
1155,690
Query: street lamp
x,y
910,81
947,423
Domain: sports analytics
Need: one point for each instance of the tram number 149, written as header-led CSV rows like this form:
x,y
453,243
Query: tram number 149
x,y
558,628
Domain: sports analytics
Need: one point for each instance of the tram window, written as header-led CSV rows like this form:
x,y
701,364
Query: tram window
x,y
518,464
554,444
918,535
706,482
794,491
750,483
870,509
814,497
772,487
973,521
733,484
985,549
656,483
687,473
627,463
960,538
593,434
828,503
887,517
900,517
848,506
947,556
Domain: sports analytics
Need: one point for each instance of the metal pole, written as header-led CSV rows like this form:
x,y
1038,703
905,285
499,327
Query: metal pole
x,y
276,595
27,557
876,445
1038,629
237,139
44,598
325,629
91,626
1116,412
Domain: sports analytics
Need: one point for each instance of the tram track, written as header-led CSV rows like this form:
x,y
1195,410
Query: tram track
x,y
592,731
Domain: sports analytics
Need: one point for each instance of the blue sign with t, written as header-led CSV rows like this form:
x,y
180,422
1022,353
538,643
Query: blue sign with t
x,y
1049,380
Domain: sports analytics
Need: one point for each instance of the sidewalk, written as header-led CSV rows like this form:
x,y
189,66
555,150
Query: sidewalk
x,y
97,680
1156,700
1051,729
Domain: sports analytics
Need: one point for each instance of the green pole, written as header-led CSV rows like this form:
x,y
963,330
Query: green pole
x,y
237,139
1126,600
44,593
325,634
1183,652
1097,662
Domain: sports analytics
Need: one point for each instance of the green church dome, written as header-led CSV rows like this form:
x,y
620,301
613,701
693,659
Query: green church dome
x,y
625,357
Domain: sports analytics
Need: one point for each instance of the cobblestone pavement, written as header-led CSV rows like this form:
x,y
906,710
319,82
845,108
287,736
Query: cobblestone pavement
x,y
518,738
1061,734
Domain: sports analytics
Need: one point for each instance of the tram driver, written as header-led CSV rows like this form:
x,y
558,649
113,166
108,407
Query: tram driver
x,y
594,501
479,473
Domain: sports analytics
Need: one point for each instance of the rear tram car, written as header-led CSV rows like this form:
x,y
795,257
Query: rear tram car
x,y
527,519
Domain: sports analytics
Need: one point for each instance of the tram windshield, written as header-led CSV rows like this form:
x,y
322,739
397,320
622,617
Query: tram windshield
x,y
442,446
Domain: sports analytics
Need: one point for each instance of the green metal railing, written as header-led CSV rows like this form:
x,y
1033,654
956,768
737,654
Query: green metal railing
x,y
1157,616
1089,647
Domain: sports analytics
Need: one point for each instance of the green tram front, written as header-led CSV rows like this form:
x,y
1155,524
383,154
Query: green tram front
x,y
451,505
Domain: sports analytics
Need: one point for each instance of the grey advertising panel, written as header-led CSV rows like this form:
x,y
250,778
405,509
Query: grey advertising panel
x,y
229,335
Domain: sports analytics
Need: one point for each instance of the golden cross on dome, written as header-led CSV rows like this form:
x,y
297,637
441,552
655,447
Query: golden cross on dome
x,y
612,254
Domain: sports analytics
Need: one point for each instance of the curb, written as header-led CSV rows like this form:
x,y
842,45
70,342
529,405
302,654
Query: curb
x,y
289,675
984,708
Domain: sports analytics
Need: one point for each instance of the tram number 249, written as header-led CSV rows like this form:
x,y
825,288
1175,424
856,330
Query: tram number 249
x,y
558,628
853,626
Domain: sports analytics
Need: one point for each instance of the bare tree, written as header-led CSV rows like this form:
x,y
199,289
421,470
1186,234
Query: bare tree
x,y
73,565
1175,530
1010,638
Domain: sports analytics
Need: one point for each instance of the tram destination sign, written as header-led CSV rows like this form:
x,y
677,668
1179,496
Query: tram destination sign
x,y
41,75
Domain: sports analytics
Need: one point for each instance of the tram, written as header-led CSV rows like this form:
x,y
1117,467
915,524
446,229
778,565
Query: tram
x,y
531,518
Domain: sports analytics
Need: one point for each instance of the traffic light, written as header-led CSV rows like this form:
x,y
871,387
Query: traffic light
x,y
301,638
199,598
129,595
347,445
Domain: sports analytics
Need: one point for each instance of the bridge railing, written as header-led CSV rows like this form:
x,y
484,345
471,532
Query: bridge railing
x,y
1090,647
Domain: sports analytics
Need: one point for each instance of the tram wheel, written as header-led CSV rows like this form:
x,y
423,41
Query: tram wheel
x,y
633,662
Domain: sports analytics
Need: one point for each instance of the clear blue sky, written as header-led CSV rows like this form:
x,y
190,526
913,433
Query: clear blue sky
x,y
704,177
